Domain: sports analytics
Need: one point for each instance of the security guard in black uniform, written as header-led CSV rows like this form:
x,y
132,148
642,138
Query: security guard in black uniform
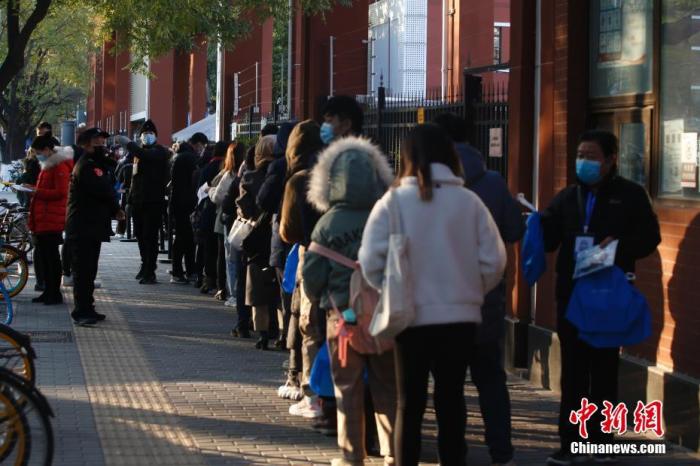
x,y
91,206
150,176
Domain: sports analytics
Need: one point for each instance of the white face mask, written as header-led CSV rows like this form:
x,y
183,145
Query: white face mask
x,y
148,139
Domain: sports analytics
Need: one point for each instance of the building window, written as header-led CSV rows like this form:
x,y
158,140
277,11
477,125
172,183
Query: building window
x,y
497,41
679,100
621,34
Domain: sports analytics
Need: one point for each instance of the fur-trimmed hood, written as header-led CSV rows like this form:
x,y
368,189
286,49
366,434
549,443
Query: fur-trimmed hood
x,y
351,171
61,155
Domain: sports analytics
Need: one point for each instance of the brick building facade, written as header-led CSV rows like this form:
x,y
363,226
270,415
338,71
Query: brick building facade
x,y
555,96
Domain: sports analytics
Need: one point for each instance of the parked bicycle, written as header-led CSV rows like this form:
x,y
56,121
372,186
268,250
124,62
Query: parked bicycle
x,y
26,435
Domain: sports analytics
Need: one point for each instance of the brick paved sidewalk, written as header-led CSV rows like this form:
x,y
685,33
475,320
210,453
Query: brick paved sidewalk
x,y
162,382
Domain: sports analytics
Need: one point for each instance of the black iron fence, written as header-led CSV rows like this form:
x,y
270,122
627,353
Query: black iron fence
x,y
485,107
389,118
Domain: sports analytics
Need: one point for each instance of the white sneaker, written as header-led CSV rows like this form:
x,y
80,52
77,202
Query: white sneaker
x,y
309,408
297,408
231,302
98,284
295,394
67,280
284,389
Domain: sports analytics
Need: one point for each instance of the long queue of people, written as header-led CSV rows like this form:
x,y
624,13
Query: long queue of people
x,y
278,230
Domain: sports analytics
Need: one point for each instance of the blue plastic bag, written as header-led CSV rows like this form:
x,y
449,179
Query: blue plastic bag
x,y
532,253
321,379
608,311
289,280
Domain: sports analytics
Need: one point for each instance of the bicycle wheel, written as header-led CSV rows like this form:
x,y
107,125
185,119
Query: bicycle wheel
x,y
16,272
13,427
26,425
17,354
6,311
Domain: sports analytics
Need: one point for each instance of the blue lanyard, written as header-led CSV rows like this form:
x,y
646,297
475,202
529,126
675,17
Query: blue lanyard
x,y
590,204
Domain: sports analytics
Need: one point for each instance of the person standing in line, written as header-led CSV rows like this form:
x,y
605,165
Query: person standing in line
x,y
218,194
91,208
260,277
487,371
147,196
602,206
297,221
47,213
269,200
208,243
228,216
454,263
350,176
182,202
199,142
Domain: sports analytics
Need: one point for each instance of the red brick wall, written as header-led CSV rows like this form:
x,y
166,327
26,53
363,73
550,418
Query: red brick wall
x,y
669,277
349,26
122,97
257,47
433,78
669,280
109,81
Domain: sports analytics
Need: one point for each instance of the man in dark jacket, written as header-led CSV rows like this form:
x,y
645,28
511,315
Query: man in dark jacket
x,y
269,200
147,196
91,206
208,243
183,200
487,371
601,207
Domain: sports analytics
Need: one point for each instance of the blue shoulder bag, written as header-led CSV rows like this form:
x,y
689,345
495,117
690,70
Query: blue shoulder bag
x,y
608,311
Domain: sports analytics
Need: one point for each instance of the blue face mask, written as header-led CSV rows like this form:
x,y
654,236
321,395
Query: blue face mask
x,y
327,134
588,171
42,158
148,139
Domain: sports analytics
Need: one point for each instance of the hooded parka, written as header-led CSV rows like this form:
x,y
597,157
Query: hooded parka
x,y
349,178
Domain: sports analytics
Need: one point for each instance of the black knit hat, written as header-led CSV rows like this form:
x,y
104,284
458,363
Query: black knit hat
x,y
148,125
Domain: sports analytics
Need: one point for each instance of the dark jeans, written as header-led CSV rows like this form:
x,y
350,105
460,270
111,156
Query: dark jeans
x,y
444,351
183,246
585,372
48,260
244,312
67,257
147,221
86,257
489,377
220,263
211,253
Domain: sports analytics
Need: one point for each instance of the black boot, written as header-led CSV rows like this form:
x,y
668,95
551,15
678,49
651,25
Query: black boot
x,y
39,299
262,343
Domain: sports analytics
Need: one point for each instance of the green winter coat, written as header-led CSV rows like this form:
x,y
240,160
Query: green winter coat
x,y
350,176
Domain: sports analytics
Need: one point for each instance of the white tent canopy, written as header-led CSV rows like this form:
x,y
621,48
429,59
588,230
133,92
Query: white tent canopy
x,y
206,125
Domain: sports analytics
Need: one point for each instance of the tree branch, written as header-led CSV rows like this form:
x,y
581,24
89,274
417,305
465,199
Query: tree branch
x,y
17,38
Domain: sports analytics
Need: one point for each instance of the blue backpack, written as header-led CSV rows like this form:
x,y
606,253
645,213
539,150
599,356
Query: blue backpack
x,y
608,311
532,254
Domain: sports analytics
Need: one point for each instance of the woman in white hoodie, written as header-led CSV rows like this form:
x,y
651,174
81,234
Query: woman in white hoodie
x,y
456,256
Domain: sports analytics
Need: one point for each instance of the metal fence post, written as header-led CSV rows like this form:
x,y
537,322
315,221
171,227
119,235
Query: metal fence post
x,y
472,96
381,105
250,121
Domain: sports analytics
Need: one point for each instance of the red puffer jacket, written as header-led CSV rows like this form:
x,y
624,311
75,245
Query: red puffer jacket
x,y
47,213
